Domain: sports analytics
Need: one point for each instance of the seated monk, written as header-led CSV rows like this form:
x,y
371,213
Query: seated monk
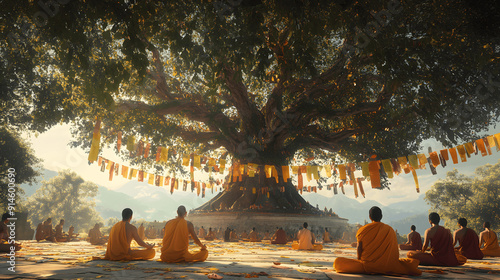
x,y
141,231
279,237
233,237
5,246
202,232
96,237
210,236
48,232
468,240
71,233
121,235
490,240
441,241
60,236
266,236
176,241
414,240
326,237
39,232
306,240
253,236
244,235
227,234
378,251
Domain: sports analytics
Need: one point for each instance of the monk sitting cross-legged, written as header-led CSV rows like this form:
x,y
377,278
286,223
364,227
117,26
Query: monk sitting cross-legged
x,y
490,240
279,237
95,236
414,240
210,236
468,240
59,234
176,240
253,236
441,241
378,251
121,235
306,240
326,237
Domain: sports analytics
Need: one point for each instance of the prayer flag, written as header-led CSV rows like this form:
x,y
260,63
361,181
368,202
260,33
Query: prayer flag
x,y
196,160
361,190
315,172
386,163
413,159
131,143
434,158
342,172
96,139
146,150
125,171
365,169
415,178
141,176
119,141
222,163
308,173
151,179
375,173
444,153
286,173
470,148
328,170
461,152
481,147
158,154
185,160
422,160
453,154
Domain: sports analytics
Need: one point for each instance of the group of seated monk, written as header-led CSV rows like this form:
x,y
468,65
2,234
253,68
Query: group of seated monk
x,y
174,246
378,253
61,236
5,246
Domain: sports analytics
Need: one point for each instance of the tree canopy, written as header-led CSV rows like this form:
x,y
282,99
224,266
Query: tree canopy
x,y
66,196
262,81
475,198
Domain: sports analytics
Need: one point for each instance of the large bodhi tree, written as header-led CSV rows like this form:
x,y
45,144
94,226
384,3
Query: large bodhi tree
x,y
262,81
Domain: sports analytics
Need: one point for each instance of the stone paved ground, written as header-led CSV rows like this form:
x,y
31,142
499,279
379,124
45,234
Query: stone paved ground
x,y
73,260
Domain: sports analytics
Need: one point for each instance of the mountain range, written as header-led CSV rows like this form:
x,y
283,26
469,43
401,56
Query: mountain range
x,y
156,203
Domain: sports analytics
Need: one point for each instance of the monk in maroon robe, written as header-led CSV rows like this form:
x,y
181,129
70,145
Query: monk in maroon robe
x,y
468,241
414,240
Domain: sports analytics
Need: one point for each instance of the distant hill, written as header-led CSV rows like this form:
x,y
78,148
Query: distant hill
x,y
357,212
421,221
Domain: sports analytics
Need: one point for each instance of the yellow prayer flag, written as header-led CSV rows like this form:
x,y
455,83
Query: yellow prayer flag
x,y
365,169
222,163
268,170
286,173
164,154
124,171
197,162
481,147
134,173
328,170
386,163
315,172
295,170
413,161
211,162
308,173
422,160
342,171
491,141
185,160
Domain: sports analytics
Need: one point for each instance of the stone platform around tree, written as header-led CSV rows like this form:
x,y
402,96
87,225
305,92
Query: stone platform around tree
x,y
236,260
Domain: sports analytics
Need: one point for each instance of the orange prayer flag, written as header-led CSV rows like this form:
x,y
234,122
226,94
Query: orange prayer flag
x,y
444,154
99,161
300,181
470,148
134,173
461,152
361,190
435,158
422,160
453,154
158,154
386,163
160,181
140,178
374,173
415,178
274,173
286,173
211,162
487,145
108,166
481,147
268,170
146,150
342,172
119,141
111,171
124,171
491,141
185,160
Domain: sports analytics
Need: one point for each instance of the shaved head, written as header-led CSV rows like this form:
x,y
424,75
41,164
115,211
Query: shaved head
x,y
181,211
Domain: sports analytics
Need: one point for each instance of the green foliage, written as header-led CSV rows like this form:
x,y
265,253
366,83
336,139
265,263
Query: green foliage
x,y
476,198
66,196
15,154
263,80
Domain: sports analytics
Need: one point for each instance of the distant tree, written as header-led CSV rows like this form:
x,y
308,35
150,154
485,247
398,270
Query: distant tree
x,y
16,155
112,221
476,198
66,196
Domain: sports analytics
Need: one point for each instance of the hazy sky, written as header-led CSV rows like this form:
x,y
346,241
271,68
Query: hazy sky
x,y
53,148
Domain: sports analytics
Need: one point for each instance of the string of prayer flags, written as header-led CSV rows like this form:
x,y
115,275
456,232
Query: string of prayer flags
x,y
96,139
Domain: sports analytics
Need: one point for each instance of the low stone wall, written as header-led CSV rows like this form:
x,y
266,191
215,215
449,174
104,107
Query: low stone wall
x,y
291,223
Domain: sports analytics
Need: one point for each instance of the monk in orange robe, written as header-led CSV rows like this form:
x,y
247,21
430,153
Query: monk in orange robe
x,y
279,237
48,232
306,240
202,232
244,235
5,246
210,235
326,237
468,240
59,234
490,240
414,240
253,236
378,252
95,236
141,231
39,232
441,241
176,241
121,235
